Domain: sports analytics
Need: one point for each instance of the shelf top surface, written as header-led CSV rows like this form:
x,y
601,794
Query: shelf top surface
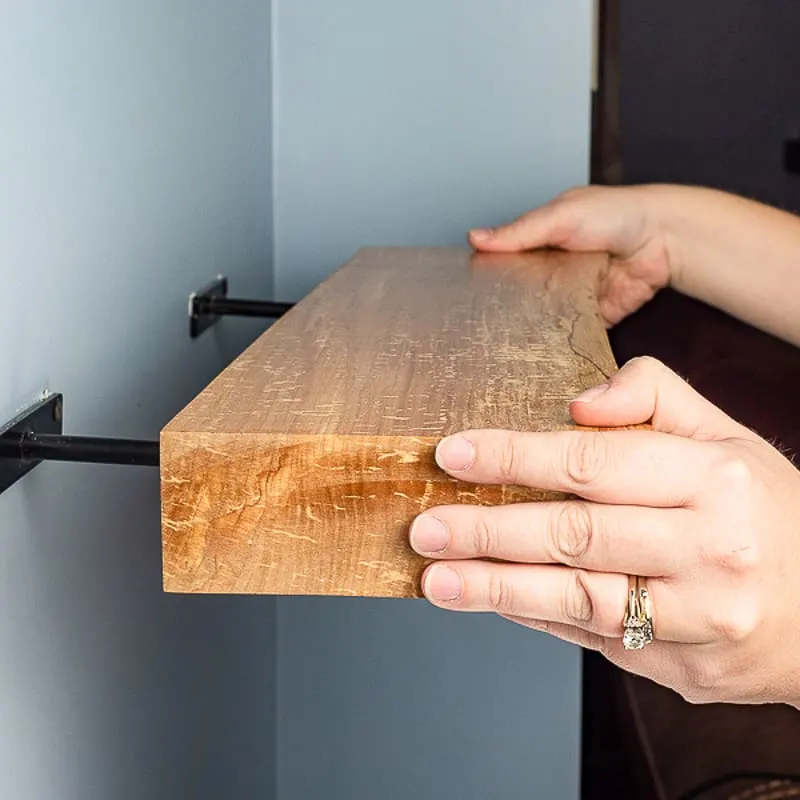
x,y
419,342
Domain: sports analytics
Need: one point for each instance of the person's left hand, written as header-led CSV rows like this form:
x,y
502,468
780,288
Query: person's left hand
x,y
707,511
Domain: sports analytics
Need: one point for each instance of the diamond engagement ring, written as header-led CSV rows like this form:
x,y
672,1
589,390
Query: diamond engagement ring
x,y
638,617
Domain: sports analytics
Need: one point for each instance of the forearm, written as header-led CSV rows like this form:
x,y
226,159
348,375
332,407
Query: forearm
x,y
735,254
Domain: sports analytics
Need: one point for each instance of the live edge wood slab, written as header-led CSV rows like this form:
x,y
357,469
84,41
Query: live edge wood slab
x,y
299,469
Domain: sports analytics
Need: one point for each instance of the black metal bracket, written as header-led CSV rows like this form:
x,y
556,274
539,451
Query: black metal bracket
x,y
208,304
36,435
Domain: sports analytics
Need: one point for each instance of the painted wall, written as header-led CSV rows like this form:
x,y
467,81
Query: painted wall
x,y
134,166
718,113
408,123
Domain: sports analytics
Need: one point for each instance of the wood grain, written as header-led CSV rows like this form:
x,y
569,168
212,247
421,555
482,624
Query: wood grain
x,y
299,469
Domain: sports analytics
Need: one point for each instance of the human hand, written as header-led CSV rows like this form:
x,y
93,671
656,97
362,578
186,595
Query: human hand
x,y
625,222
704,509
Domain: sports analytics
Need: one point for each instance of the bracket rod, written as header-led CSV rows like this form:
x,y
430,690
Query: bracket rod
x,y
211,302
36,435
79,449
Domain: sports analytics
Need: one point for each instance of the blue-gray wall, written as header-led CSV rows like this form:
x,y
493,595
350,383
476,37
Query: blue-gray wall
x,y
135,163
134,166
407,123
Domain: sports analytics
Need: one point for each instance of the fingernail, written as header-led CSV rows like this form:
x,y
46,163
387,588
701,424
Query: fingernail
x,y
480,234
429,534
592,394
455,453
443,584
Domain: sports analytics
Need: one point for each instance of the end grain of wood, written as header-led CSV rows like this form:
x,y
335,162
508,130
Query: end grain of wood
x,y
300,468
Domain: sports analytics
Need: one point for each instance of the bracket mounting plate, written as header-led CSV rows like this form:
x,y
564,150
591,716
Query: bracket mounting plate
x,y
200,319
44,417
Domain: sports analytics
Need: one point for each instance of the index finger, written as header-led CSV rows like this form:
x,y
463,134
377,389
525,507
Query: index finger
x,y
631,467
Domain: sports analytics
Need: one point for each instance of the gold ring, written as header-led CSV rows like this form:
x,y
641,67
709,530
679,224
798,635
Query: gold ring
x,y
638,616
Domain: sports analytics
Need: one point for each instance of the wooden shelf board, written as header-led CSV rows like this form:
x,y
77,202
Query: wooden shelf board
x,y
299,469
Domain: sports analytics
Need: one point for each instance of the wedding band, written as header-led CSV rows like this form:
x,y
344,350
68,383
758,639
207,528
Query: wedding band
x,y
638,616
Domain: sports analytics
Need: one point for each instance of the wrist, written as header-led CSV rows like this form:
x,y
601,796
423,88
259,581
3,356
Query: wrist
x,y
674,214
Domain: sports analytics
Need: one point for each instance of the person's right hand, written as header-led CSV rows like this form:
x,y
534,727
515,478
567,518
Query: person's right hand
x,y
620,220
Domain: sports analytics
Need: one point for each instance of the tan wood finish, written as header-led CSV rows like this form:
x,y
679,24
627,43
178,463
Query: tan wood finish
x,y
299,469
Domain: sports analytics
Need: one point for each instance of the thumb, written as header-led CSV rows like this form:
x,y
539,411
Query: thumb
x,y
645,390
551,225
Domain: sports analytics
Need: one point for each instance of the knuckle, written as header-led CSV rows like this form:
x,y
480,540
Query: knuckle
x,y
501,595
586,458
572,191
510,458
572,532
733,474
574,194
646,365
735,624
566,198
740,559
485,539
578,606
